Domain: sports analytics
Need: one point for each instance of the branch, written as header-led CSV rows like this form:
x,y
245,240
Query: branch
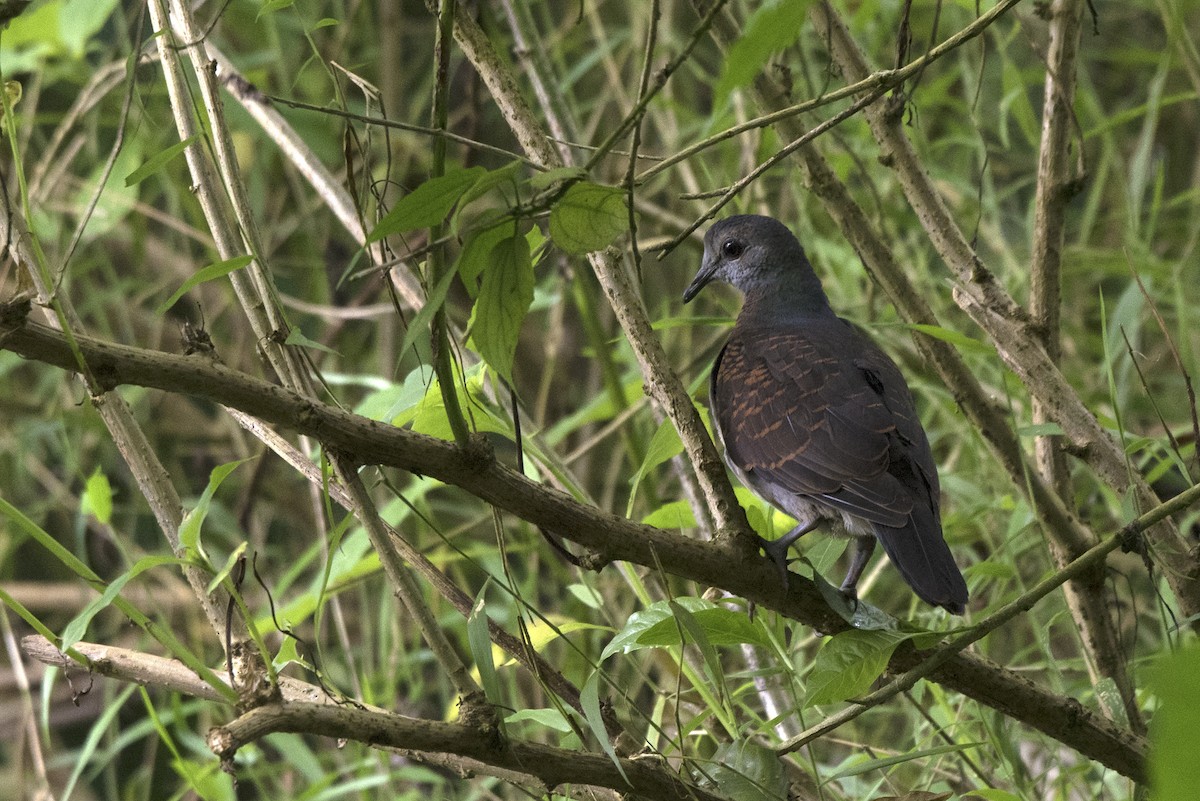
x,y
308,709
716,564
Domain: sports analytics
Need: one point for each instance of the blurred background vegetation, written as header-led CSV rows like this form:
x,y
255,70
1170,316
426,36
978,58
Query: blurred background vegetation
x,y
93,103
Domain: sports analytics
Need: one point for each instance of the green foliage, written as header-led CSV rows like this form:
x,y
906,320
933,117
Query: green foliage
x,y
849,663
1174,771
504,297
689,678
588,217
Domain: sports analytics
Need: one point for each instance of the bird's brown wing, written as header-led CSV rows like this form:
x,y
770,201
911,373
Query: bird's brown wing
x,y
819,411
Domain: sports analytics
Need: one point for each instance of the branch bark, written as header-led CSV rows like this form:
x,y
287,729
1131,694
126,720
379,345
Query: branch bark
x,y
717,564
308,709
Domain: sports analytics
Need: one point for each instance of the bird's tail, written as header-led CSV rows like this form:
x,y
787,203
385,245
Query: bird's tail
x,y
924,560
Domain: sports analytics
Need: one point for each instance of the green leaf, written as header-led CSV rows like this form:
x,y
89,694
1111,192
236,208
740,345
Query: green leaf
x,y
961,341
719,625
422,320
75,630
504,298
227,568
81,21
427,205
773,26
296,337
544,180
869,765
189,529
747,771
671,515
489,181
849,662
207,273
273,5
157,162
588,217
327,22
1174,769
481,645
663,445
1040,430
589,699
690,626
97,497
476,254
549,718
655,626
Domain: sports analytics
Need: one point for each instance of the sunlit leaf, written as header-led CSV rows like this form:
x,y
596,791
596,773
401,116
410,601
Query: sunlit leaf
x,y
427,205
588,217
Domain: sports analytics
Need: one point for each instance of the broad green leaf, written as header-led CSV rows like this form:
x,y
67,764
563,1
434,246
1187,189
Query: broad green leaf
x,y
773,26
720,626
747,771
991,794
586,595
672,515
1040,430
97,497
476,254
626,640
489,181
697,633
428,416
849,662
541,633
663,445
504,298
81,20
1174,769
157,162
588,217
427,205
206,273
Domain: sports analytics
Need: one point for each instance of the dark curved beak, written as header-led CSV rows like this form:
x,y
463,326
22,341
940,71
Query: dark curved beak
x,y
707,270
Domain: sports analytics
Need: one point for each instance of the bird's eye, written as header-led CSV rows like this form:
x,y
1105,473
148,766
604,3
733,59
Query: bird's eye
x,y
732,248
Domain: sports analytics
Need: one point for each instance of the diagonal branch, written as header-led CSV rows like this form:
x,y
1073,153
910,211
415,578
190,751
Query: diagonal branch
x,y
717,564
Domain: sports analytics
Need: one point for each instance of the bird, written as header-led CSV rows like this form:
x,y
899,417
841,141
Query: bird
x,y
817,420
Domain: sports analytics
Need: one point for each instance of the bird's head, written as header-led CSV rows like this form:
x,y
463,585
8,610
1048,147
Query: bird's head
x,y
759,256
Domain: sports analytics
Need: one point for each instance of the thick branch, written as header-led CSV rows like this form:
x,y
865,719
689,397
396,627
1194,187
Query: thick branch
x,y
368,724
714,564
552,766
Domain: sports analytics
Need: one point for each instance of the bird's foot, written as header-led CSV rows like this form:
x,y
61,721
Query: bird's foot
x,y
777,551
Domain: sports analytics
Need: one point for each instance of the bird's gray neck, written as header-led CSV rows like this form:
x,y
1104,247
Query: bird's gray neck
x,y
799,296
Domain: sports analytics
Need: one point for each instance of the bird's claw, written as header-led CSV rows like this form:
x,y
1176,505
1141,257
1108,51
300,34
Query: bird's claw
x,y
778,555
